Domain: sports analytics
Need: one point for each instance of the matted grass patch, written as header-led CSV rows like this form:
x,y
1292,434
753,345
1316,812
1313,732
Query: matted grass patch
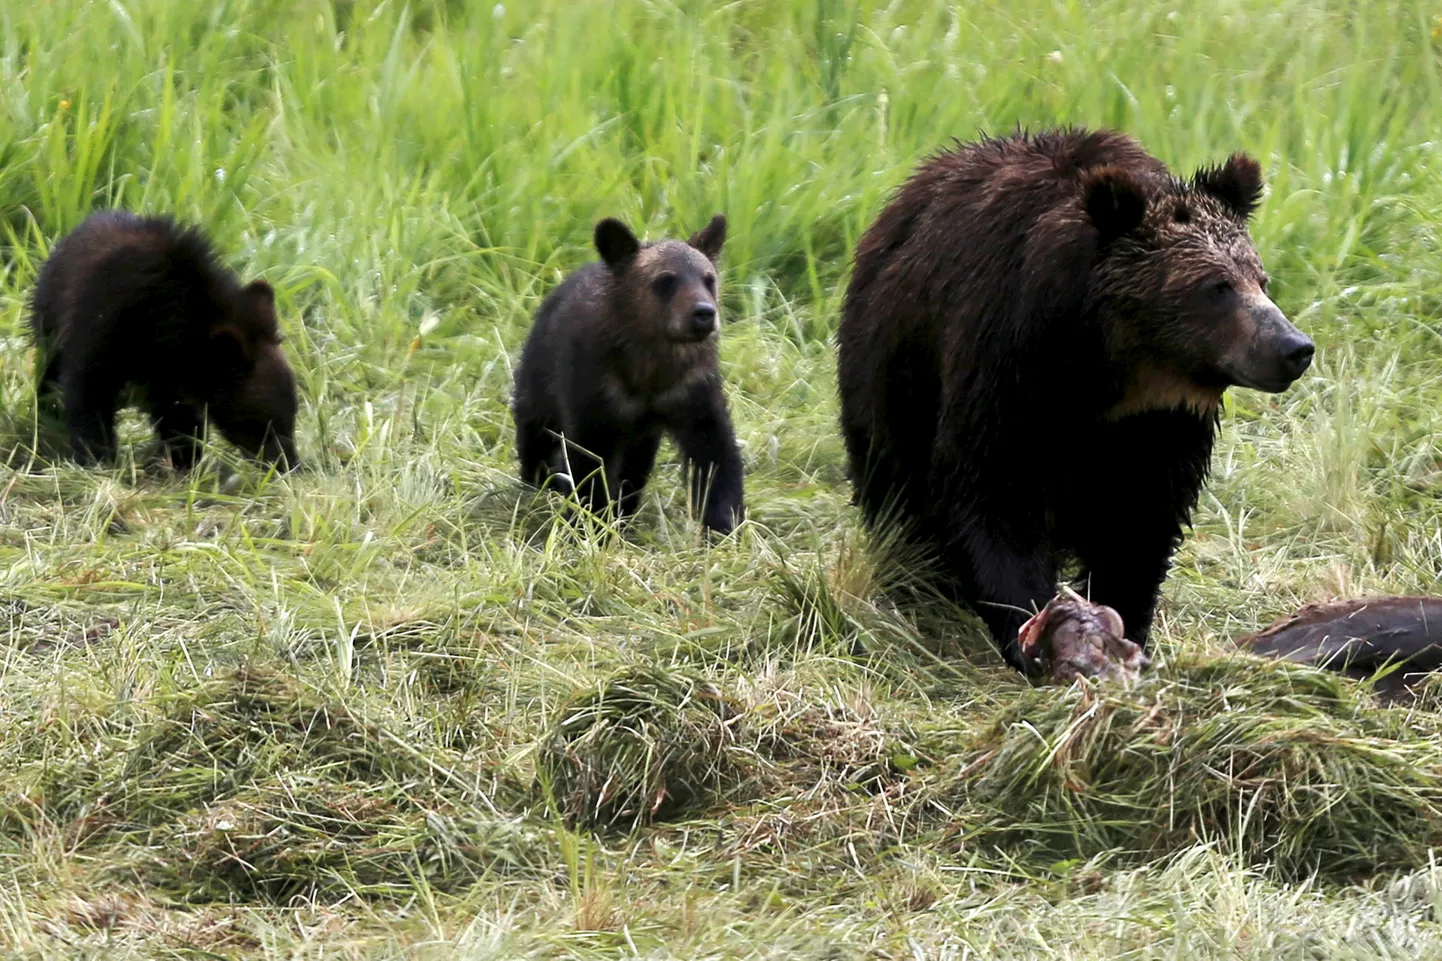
x,y
245,726
292,836
646,743
1280,765
254,787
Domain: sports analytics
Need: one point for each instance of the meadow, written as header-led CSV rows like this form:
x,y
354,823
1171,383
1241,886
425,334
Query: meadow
x,y
393,706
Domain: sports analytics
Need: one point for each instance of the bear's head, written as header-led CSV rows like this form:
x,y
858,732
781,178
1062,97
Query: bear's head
x,y
668,287
1180,290
253,400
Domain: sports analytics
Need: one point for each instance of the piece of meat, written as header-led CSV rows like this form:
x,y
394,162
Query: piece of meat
x,y
1360,636
1072,637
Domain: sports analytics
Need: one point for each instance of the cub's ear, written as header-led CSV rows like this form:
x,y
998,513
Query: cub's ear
x,y
260,293
1114,200
229,347
259,300
710,238
1236,183
615,243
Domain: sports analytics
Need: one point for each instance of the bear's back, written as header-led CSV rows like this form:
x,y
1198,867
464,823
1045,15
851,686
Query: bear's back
x,y
971,209
116,264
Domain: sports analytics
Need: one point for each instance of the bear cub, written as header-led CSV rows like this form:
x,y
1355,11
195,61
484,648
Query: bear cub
x,y
625,350
132,309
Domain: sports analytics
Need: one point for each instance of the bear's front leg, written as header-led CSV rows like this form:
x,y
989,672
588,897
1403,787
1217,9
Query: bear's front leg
x,y
1125,524
1005,578
181,428
91,404
592,440
537,447
1124,570
702,428
637,457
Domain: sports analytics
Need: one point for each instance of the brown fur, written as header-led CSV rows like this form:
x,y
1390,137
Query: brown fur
x,y
1153,389
1361,637
140,304
1026,310
622,352
655,364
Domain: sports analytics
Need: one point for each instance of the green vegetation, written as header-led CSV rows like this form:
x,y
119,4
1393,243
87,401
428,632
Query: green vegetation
x,y
391,706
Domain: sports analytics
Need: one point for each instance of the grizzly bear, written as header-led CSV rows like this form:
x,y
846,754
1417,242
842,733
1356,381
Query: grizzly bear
x,y
1033,350
138,308
621,352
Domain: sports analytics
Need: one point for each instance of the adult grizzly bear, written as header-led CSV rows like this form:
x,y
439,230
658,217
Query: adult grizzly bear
x,y
1033,350
126,301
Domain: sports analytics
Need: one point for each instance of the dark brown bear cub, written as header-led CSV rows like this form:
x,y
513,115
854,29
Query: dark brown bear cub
x,y
622,352
1033,350
126,301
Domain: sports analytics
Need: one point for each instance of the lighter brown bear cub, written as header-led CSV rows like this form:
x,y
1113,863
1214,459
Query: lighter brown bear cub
x,y
624,351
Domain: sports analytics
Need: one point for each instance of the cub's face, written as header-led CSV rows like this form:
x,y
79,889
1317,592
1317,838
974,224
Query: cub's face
x,y
1182,287
254,403
670,286
259,416
679,291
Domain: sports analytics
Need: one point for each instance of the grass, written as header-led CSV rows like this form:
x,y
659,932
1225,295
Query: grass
x,y
392,706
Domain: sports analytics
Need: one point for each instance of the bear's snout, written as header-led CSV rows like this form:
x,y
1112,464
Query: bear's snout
x,y
703,319
1267,353
1296,354
1283,352
280,451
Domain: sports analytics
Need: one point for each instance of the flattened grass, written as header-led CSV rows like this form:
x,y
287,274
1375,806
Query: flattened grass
x,y
646,743
1280,767
375,709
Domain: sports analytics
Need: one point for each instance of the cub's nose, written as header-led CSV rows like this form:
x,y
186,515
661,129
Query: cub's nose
x,y
1297,351
703,318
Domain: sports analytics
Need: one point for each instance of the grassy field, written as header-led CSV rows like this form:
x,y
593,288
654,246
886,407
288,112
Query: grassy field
x,y
390,706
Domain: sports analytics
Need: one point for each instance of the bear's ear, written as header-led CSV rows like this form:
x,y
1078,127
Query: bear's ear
x,y
710,238
1114,200
1236,183
260,293
615,243
259,300
230,347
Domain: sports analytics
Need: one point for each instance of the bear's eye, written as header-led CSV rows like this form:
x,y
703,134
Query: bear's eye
x,y
1182,215
1266,282
1220,289
664,285
710,283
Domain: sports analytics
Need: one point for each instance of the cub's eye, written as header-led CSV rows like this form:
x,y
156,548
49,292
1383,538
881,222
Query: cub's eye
x,y
1266,282
710,283
664,285
1220,289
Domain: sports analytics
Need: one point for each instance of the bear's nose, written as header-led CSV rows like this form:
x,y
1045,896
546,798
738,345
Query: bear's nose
x,y
1296,351
703,318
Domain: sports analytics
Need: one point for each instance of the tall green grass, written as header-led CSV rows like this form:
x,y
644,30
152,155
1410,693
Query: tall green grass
x,y
365,710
